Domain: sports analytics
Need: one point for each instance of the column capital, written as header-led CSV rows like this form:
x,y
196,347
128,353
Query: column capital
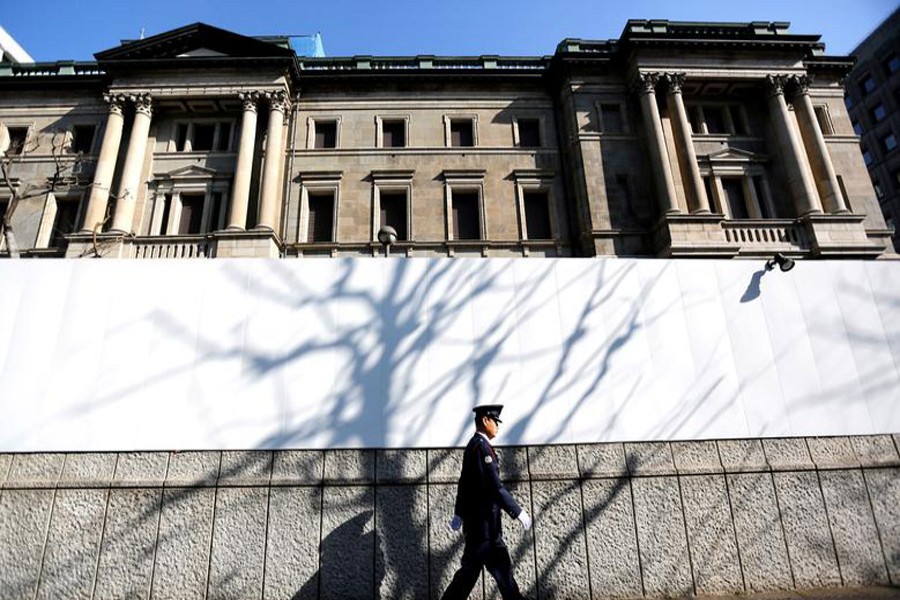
x,y
775,84
115,101
249,100
645,83
143,103
279,101
673,82
801,83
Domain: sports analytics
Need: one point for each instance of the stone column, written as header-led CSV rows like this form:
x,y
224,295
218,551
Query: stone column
x,y
825,177
123,220
240,192
662,172
106,164
803,190
697,200
269,200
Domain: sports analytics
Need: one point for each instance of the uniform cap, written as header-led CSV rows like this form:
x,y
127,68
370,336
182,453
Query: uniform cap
x,y
489,410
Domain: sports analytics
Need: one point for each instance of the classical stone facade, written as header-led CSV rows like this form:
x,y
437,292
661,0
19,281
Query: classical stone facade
x,y
677,139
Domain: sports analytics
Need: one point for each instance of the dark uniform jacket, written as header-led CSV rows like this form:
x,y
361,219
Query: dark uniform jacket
x,y
481,495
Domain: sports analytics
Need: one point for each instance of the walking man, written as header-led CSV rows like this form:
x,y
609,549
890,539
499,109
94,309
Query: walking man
x,y
479,498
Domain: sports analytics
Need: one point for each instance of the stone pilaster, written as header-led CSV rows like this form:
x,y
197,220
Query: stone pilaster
x,y
697,200
816,149
106,164
123,220
240,195
662,173
803,189
270,195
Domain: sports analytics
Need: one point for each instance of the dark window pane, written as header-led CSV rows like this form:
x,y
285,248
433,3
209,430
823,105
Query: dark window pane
x,y
17,137
82,138
326,134
867,85
892,64
181,136
191,214
734,194
4,205
217,212
857,128
167,210
529,133
611,116
537,216
878,113
867,157
393,212
760,196
65,221
223,143
715,119
203,137
393,134
694,117
737,120
321,217
461,134
466,224
889,142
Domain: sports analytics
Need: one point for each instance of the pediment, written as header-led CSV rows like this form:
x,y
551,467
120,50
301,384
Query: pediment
x,y
194,41
734,155
190,172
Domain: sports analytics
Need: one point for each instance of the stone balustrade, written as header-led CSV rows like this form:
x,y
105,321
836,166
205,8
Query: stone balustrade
x,y
191,246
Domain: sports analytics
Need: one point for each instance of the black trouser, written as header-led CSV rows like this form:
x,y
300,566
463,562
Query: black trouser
x,y
491,554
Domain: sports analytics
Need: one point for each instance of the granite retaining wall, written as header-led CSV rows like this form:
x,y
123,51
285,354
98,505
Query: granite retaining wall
x,y
610,521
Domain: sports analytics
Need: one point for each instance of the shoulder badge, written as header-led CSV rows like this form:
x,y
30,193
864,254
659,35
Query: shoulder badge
x,y
488,459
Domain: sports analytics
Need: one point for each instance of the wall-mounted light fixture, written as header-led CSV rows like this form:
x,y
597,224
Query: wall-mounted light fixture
x,y
387,235
784,263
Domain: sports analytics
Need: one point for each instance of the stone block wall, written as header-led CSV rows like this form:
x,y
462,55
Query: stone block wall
x,y
610,521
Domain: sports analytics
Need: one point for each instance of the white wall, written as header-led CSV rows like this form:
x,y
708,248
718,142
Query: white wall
x,y
116,355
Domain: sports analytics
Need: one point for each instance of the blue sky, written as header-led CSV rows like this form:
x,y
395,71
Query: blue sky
x,y
62,29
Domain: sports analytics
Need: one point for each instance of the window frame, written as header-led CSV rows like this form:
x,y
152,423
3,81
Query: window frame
x,y
29,128
532,180
311,130
623,117
747,171
392,181
464,180
93,145
541,130
448,124
318,182
883,140
174,185
172,145
48,216
731,113
379,130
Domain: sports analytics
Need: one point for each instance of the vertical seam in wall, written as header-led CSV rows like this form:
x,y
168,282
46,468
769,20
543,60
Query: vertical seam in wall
x,y
637,538
875,522
687,538
374,523
781,526
266,534
100,545
156,539
212,529
321,528
37,587
837,557
737,546
587,552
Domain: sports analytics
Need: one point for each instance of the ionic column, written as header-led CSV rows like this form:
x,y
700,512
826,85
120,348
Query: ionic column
x,y
826,179
803,190
697,200
106,164
123,220
268,202
662,172
240,192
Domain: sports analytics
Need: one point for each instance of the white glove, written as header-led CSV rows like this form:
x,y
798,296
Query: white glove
x,y
455,523
525,520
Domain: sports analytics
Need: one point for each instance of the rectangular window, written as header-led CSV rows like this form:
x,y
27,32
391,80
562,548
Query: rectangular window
x,y
65,222
867,85
892,64
223,141
393,212
611,118
17,138
889,142
715,119
462,133
167,210
848,102
393,134
738,125
824,120
326,134
204,134
867,157
537,215
760,190
694,117
529,133
734,195
857,128
83,139
181,132
466,222
191,214
878,113
321,217
217,212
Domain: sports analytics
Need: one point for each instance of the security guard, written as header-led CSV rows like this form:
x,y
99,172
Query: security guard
x,y
479,498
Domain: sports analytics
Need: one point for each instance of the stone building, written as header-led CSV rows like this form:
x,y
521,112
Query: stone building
x,y
872,97
291,429
677,139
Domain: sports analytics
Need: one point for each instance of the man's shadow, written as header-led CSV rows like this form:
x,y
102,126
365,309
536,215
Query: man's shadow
x,y
339,560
